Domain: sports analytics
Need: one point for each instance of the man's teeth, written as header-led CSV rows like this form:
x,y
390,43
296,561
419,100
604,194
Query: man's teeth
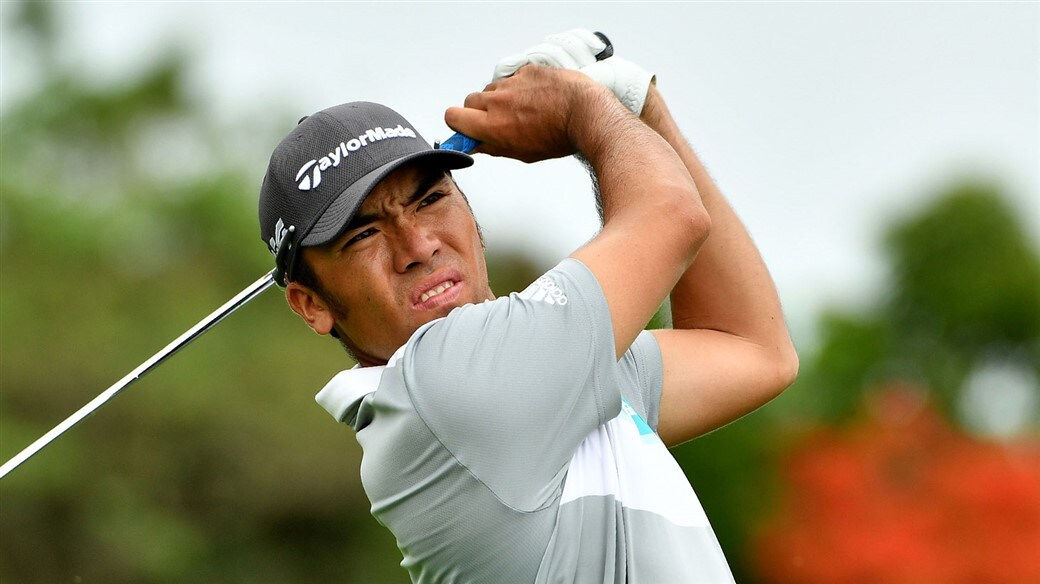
x,y
427,295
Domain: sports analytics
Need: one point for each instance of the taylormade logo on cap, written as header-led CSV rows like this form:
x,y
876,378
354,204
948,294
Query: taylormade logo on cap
x,y
309,175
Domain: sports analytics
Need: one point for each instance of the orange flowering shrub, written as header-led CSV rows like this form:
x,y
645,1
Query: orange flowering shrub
x,y
902,497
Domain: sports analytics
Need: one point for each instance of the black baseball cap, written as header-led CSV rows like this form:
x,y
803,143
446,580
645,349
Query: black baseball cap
x,y
322,171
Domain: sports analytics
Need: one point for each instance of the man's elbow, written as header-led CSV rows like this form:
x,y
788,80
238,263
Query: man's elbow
x,y
692,221
785,367
700,227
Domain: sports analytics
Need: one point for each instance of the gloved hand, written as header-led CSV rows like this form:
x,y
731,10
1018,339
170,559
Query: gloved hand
x,y
573,49
577,49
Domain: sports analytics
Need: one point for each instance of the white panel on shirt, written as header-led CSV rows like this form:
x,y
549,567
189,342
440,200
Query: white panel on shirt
x,y
626,459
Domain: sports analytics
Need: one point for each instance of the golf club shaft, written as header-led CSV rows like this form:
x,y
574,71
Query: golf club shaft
x,y
179,343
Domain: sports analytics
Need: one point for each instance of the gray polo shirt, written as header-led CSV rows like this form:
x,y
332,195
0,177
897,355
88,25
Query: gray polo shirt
x,y
504,443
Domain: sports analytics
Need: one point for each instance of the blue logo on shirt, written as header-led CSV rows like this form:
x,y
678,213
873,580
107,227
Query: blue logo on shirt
x,y
645,431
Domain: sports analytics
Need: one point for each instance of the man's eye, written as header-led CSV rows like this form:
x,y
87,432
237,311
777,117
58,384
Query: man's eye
x,y
431,198
360,236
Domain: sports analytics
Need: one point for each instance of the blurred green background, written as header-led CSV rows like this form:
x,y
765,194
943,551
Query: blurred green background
x,y
906,452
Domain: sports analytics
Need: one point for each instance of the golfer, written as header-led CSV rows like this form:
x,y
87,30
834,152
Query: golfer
x,y
524,438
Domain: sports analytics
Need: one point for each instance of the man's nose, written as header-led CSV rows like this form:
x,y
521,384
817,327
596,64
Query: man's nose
x,y
416,246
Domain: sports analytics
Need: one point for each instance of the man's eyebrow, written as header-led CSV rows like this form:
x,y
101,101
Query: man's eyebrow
x,y
426,184
421,189
360,220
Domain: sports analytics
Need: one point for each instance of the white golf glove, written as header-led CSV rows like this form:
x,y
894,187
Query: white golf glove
x,y
576,50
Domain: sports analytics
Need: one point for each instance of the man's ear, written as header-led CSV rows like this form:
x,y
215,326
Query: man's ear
x,y
306,303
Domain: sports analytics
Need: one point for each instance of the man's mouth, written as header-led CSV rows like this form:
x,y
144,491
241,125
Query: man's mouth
x,y
435,291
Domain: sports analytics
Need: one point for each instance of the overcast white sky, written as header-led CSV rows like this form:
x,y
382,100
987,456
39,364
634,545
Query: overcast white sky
x,y
820,121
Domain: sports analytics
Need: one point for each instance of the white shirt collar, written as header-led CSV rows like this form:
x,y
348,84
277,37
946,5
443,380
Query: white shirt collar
x,y
342,395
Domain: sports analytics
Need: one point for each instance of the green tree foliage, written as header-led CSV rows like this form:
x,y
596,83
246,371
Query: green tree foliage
x,y
965,287
219,467
965,269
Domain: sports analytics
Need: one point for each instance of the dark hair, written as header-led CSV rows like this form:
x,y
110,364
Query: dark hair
x,y
305,276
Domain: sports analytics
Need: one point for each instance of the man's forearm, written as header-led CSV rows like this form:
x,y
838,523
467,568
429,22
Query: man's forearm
x,y
653,222
728,287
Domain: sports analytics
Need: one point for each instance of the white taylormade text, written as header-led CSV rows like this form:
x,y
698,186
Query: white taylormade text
x,y
309,175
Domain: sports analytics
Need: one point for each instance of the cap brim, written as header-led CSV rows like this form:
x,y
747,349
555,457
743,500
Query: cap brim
x,y
335,218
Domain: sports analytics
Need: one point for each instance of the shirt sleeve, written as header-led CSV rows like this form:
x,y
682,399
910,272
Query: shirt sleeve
x,y
641,377
512,386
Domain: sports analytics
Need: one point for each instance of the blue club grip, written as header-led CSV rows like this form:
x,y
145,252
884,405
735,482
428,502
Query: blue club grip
x,y
460,143
466,145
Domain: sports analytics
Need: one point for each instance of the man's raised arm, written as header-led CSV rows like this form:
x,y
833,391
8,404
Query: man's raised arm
x,y
654,222
729,351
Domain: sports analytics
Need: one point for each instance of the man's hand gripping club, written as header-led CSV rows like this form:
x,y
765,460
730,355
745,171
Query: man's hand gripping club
x,y
654,222
535,115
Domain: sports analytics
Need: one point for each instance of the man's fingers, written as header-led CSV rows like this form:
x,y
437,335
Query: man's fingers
x,y
573,49
466,120
555,56
507,66
475,100
580,44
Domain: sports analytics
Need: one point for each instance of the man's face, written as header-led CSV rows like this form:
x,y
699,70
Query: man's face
x,y
411,254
